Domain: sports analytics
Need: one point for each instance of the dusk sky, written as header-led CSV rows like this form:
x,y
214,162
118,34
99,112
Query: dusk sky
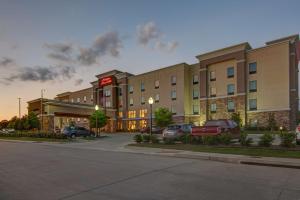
x,y
61,45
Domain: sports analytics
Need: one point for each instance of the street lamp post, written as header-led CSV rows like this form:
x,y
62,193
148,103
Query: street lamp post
x,y
96,108
19,108
150,101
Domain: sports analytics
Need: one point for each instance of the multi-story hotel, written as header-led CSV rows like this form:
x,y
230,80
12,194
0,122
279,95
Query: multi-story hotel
x,y
253,82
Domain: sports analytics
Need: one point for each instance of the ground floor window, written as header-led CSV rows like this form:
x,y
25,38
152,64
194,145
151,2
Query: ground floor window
x,y
143,123
131,125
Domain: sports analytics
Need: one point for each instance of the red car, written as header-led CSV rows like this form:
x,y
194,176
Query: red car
x,y
217,127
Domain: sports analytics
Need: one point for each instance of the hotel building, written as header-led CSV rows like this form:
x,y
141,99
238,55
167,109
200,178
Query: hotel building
x,y
253,82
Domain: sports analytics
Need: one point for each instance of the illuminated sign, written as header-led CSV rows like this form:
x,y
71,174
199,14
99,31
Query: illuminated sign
x,y
105,81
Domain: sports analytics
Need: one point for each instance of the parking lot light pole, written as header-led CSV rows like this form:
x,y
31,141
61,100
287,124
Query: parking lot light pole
x,y
96,108
150,101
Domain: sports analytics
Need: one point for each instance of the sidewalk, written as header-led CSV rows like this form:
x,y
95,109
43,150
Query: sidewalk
x,y
228,158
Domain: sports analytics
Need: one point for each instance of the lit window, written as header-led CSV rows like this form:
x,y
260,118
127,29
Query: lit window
x,y
156,98
142,87
107,93
130,89
173,80
173,110
230,72
173,94
212,75
252,86
156,84
252,68
195,93
107,104
78,119
230,89
230,106
84,98
131,114
213,91
195,109
195,79
120,114
142,100
92,97
72,100
252,104
131,101
143,113
78,100
213,108
143,123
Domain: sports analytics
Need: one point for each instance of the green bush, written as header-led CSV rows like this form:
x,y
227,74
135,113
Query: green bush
x,y
138,138
154,139
225,138
185,139
210,139
266,139
244,140
287,139
146,138
169,141
35,135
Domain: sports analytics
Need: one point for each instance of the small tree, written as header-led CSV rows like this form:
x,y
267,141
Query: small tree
x,y
12,122
271,122
163,117
100,117
4,124
32,121
236,117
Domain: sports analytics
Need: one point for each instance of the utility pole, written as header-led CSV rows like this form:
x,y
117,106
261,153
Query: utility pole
x,y
19,108
41,109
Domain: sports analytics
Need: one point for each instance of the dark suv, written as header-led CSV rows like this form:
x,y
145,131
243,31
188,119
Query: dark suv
x,y
75,131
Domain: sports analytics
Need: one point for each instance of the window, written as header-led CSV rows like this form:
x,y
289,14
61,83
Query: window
x,y
142,87
131,114
252,68
252,104
78,119
173,110
72,100
130,89
230,89
120,103
107,93
120,114
230,72
196,109
230,106
92,97
142,100
156,84
173,80
213,108
213,91
173,94
131,101
195,79
107,104
84,98
143,113
252,86
120,92
195,93
78,100
212,75
156,98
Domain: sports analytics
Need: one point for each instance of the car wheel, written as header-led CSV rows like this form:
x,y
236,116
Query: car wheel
x,y
73,136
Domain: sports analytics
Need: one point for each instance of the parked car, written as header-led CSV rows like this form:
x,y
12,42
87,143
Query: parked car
x,y
76,131
298,134
155,130
217,127
177,130
7,131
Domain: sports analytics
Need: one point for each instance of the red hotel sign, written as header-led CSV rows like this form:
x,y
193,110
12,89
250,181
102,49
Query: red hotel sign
x,y
105,81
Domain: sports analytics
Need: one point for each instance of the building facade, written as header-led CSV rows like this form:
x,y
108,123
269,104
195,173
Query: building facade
x,y
256,83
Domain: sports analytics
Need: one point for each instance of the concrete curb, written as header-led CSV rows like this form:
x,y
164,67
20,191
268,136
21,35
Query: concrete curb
x,y
226,158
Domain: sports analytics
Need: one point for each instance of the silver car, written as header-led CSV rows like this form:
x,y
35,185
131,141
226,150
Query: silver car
x,y
176,131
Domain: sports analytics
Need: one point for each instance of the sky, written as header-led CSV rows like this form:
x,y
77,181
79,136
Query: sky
x,y
60,45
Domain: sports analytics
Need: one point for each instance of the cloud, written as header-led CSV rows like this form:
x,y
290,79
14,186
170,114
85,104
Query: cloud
x,y
78,82
147,32
106,44
60,51
5,61
42,73
168,47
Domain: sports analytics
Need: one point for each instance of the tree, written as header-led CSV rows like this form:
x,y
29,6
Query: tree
x,y
272,125
32,121
236,117
4,124
163,117
101,119
12,122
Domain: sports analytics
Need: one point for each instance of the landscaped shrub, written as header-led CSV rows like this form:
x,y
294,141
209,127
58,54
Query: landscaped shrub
x,y
224,138
266,139
210,140
146,138
34,135
169,141
185,139
154,139
287,139
138,138
244,140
